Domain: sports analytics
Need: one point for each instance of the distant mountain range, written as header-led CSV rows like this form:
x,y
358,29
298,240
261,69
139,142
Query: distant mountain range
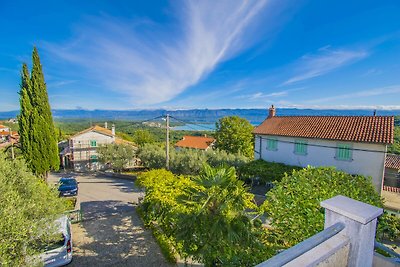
x,y
255,116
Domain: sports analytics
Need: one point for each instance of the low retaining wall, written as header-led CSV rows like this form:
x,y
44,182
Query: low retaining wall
x,y
119,175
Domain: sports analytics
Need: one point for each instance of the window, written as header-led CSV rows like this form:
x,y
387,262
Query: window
x,y
300,147
344,152
93,143
93,158
272,144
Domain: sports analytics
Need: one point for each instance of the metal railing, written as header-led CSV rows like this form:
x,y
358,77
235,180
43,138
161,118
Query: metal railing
x,y
75,216
292,253
393,254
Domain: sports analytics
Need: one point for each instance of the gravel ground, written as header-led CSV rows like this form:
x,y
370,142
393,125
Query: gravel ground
x,y
111,234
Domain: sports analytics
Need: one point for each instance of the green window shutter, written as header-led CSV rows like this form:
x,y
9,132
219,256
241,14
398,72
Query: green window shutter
x,y
93,158
272,144
344,152
93,143
300,147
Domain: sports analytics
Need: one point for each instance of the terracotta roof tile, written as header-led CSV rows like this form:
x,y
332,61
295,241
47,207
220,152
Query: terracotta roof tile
x,y
371,129
392,161
198,142
95,128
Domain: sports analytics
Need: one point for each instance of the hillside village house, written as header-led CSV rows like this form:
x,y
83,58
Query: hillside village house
x,y
7,137
392,173
81,150
354,144
195,142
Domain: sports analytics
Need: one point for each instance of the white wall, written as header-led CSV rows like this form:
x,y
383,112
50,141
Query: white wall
x,y
82,149
364,163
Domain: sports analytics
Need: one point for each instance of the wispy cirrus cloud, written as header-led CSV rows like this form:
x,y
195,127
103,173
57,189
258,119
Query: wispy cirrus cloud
x,y
324,61
394,89
261,96
151,64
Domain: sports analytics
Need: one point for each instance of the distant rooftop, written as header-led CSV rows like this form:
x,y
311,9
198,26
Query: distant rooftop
x,y
197,142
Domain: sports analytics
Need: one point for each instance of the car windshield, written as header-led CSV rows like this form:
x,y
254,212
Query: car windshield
x,y
46,246
68,182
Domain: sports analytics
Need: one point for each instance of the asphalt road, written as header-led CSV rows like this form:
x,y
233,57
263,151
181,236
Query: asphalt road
x,y
111,233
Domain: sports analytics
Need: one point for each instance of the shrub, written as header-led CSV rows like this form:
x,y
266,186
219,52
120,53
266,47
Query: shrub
x,y
265,171
205,217
293,205
152,156
28,210
187,161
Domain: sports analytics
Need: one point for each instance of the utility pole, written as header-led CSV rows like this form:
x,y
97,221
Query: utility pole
x,y
167,144
12,144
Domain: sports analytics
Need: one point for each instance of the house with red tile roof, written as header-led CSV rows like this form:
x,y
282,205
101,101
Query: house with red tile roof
x,y
81,150
354,144
195,142
392,173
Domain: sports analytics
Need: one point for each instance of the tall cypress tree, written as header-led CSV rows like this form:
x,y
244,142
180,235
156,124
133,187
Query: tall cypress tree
x,y
25,114
39,133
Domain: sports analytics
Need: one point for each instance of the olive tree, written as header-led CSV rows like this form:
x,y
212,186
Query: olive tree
x,y
118,155
28,210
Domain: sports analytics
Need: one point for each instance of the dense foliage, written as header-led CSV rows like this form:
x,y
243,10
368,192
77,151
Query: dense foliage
x,y
205,217
118,155
187,161
395,147
27,211
36,129
293,205
234,135
264,171
143,136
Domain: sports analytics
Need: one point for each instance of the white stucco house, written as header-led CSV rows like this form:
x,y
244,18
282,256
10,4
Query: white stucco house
x,y
81,150
354,144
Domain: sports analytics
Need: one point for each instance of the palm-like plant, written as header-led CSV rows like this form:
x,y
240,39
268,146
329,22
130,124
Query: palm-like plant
x,y
216,229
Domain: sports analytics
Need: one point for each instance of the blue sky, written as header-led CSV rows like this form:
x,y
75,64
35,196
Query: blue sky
x,y
205,54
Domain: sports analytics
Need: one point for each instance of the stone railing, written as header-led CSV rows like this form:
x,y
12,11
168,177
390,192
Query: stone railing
x,y
347,240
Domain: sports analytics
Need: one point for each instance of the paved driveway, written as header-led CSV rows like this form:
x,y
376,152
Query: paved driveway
x,y
112,233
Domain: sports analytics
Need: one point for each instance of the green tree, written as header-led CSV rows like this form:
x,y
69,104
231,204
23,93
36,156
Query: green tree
x,y
27,211
205,217
142,137
39,141
215,227
152,156
293,205
233,134
119,155
395,147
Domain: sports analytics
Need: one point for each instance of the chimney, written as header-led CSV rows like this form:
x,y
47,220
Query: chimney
x,y
375,112
105,125
113,129
271,112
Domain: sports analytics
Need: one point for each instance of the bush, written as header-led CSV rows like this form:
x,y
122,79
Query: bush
x,y
293,205
187,161
28,210
265,171
205,217
152,156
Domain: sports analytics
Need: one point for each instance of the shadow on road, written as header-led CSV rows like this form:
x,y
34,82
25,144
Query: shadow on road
x,y
113,234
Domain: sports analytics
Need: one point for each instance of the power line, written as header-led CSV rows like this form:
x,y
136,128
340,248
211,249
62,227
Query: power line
x,y
198,124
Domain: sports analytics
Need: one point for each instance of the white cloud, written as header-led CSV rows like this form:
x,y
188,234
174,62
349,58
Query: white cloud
x,y
153,63
395,89
324,61
260,96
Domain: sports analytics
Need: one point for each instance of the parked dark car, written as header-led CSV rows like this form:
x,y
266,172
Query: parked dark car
x,y
68,186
